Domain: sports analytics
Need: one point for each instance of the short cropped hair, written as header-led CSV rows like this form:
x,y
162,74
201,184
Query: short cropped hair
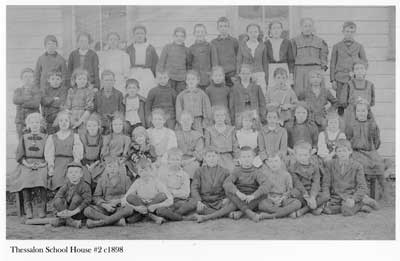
x,y
86,34
106,73
343,143
194,73
302,145
139,27
54,72
280,71
223,19
132,82
181,30
50,38
26,70
113,33
199,25
215,69
246,148
94,117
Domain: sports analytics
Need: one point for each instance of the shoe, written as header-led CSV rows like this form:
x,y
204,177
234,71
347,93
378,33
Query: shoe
x,y
90,223
57,222
317,211
73,223
366,209
371,202
121,223
134,218
28,210
293,215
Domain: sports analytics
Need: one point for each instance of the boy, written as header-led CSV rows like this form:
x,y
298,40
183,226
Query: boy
x,y
112,186
108,100
53,99
72,198
175,58
343,56
346,184
162,97
306,180
224,50
49,61
26,98
245,188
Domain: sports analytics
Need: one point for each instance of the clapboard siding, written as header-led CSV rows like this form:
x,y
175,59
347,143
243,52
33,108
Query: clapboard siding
x,y
340,13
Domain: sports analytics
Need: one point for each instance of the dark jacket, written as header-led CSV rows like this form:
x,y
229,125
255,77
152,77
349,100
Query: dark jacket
x,y
151,57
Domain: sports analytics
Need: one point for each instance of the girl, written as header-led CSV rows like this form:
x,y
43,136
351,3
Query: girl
x,y
79,99
279,52
254,53
221,138
143,60
85,58
195,101
134,105
191,143
161,138
116,61
62,148
30,176
116,144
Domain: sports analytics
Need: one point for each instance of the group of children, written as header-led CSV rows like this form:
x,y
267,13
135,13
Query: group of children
x,y
229,129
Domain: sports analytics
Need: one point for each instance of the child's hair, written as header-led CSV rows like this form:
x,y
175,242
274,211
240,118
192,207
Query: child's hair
x,y
248,115
50,38
61,114
274,154
280,71
113,33
161,72
243,37
246,66
139,27
215,69
305,19
118,116
222,19
34,115
301,144
174,152
349,24
332,115
186,113
271,24
216,108
246,148
158,111
210,150
86,34
199,25
194,73
303,105
140,130
94,117
107,73
180,30
26,70
77,72
54,72
132,82
343,143
272,109
359,61
253,25
318,73
143,163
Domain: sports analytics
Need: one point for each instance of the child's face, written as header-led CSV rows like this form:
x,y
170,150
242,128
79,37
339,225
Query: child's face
x,y
108,82
140,139
274,163
359,71
281,80
64,122
200,33
81,80
218,76
361,112
113,41
315,80
246,159
272,118
112,168
179,38
162,79
191,81
253,32
140,36
211,159
174,160
158,121
300,114
34,125
307,27
247,123
27,79
145,172
333,125
92,127
55,81
219,117
186,122
83,42
302,155
117,125
223,28
51,47
343,153
276,30
245,74
349,33
132,90
74,175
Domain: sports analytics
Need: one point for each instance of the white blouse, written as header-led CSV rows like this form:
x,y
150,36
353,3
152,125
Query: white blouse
x,y
276,46
140,53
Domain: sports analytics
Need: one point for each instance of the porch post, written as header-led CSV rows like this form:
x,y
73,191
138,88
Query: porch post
x,y
294,19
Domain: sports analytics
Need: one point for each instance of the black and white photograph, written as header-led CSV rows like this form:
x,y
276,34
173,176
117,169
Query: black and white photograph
x,y
200,122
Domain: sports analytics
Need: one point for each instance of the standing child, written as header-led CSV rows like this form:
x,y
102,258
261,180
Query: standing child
x,y
62,148
50,61
175,59
200,53
53,100
194,101
134,105
279,52
310,53
85,58
344,54
30,176
218,92
246,96
143,58
224,50
26,98
161,97
253,52
221,137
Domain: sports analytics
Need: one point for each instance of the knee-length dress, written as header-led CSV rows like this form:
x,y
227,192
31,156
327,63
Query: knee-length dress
x,y
92,146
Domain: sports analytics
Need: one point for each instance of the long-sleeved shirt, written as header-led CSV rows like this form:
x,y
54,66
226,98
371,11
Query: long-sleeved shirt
x,y
200,53
258,59
45,64
306,178
162,139
116,145
81,189
285,54
223,142
223,52
318,102
194,101
364,135
310,50
218,94
135,110
280,182
104,105
175,59
151,57
111,187
27,101
191,143
327,142
88,61
160,97
307,131
50,105
118,62
272,141
281,96
355,89
78,101
176,181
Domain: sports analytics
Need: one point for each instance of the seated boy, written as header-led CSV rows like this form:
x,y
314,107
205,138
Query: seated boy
x,y
246,187
279,204
346,184
147,193
72,198
112,186
306,180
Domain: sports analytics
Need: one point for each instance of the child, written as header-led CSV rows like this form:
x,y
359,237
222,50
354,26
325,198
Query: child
x,y
344,54
161,97
147,193
218,92
246,187
175,59
108,100
85,58
363,133
115,60
72,198
195,101
200,52
272,138
279,52
191,143
30,175
319,98
306,181
79,99
346,184
143,58
49,61
279,203
310,53
161,137
134,105
224,50
116,144
247,134
107,208
221,137
26,98
254,53
61,148
53,99
281,95
246,95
